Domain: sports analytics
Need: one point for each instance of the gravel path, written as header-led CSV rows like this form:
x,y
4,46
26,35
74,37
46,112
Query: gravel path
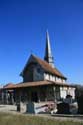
x,y
12,109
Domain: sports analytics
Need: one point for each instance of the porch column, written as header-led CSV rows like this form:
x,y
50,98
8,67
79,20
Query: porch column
x,y
18,96
6,97
12,98
54,90
2,97
46,94
38,96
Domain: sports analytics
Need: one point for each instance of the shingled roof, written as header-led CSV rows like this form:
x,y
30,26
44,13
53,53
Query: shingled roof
x,y
47,68
9,85
36,84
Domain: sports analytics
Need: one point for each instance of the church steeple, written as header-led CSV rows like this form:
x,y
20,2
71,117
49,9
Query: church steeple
x,y
48,53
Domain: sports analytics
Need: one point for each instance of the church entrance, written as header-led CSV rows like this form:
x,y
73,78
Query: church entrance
x,y
34,97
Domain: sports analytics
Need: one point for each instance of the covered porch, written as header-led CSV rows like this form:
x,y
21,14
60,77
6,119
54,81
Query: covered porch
x,y
41,91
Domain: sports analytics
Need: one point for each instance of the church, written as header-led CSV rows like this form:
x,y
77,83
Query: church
x,y
42,81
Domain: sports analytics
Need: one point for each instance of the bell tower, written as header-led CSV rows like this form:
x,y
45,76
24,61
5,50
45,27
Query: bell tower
x,y
48,53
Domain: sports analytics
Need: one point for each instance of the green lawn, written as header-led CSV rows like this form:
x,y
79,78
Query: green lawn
x,y
8,119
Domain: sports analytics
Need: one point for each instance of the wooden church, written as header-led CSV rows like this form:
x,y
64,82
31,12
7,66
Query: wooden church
x,y
42,81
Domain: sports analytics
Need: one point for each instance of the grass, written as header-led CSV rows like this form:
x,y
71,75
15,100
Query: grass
x,y
8,119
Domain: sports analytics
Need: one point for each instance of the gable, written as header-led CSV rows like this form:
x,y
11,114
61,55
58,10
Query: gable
x,y
45,66
30,60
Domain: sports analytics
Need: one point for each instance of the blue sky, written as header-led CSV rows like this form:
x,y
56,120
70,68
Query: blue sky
x,y
23,25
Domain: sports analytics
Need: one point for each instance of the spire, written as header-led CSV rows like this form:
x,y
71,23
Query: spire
x,y
48,54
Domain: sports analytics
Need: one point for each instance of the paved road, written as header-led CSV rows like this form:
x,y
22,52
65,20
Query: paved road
x,y
8,108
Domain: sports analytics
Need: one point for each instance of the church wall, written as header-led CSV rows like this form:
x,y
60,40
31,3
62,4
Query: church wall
x,y
33,73
64,91
63,80
71,91
38,74
28,75
49,77
49,93
52,93
44,93
53,78
60,80
46,76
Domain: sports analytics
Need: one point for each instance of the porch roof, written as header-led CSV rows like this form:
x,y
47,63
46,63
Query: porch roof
x,y
35,84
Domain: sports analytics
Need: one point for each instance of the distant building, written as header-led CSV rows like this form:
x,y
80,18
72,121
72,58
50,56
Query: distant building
x,y
42,81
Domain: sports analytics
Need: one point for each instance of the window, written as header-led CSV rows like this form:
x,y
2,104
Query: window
x,y
38,70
